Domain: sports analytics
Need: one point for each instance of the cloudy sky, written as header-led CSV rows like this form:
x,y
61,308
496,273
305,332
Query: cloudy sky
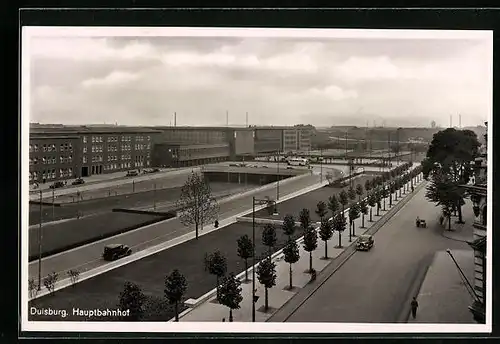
x,y
277,80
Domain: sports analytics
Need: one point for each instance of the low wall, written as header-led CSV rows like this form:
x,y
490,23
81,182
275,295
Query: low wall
x,y
166,214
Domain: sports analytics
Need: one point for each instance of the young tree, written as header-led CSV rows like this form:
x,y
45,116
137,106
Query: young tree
x,y
310,243
392,189
363,208
269,238
333,204
378,195
353,215
196,203
359,191
326,233
175,288
288,225
344,200
132,299
266,273
74,275
245,251
383,194
304,218
372,201
50,282
368,186
291,252
321,210
339,225
352,194
217,265
32,288
230,294
444,192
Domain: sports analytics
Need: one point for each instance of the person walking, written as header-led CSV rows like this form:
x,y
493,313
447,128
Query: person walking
x,y
414,306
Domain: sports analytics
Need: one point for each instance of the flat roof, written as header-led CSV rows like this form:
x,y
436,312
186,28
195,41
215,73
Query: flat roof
x,y
90,129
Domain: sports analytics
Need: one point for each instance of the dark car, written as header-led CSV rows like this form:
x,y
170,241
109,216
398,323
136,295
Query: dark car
x,y
78,181
56,185
154,170
132,173
116,251
364,243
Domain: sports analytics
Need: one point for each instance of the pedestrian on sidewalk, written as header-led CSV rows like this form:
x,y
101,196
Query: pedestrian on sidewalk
x,y
223,319
441,219
414,306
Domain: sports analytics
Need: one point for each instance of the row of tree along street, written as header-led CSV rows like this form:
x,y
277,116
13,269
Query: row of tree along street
x,y
333,219
448,165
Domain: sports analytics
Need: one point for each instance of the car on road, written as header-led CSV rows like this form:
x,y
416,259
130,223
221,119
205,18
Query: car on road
x,y
56,185
364,243
116,251
78,181
132,173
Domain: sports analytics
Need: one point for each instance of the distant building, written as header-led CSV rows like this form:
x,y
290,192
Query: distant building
x,y
478,194
433,124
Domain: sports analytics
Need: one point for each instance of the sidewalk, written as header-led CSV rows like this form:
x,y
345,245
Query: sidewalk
x,y
207,309
443,296
461,231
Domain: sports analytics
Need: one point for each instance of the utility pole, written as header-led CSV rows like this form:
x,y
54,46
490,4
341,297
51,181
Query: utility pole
x,y
389,146
53,208
175,119
321,165
451,121
227,118
154,196
278,183
246,120
346,144
40,246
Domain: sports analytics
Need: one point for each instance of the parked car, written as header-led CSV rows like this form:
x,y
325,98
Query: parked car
x,y
233,165
116,251
154,170
364,243
78,181
132,173
56,185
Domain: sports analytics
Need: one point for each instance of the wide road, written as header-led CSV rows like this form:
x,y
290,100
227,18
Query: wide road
x,y
89,256
375,286
103,205
118,186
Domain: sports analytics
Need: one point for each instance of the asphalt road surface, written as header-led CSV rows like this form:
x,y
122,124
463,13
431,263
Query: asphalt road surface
x,y
88,257
104,205
375,286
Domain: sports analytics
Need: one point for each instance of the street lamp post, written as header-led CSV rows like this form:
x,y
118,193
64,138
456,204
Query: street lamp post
x,y
278,175
321,165
40,246
254,297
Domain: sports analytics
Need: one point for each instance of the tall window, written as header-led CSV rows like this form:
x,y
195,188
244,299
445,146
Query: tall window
x,y
85,139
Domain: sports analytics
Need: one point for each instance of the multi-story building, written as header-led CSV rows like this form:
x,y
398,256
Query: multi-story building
x,y
182,155
268,140
95,150
53,157
296,139
478,195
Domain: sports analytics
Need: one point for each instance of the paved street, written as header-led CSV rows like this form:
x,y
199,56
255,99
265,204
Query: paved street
x,y
104,205
376,286
87,257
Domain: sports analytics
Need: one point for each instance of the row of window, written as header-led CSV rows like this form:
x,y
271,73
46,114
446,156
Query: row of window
x,y
97,158
45,174
98,139
141,146
51,147
97,149
51,160
126,157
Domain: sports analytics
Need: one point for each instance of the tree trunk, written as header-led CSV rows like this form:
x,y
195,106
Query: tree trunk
x,y
176,311
310,261
266,301
230,315
217,281
460,219
390,200
384,204
353,229
291,286
378,210
246,269
363,220
340,239
196,226
449,222
371,220
326,249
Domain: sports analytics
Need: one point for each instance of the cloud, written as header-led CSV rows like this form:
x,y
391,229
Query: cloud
x,y
115,78
142,81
